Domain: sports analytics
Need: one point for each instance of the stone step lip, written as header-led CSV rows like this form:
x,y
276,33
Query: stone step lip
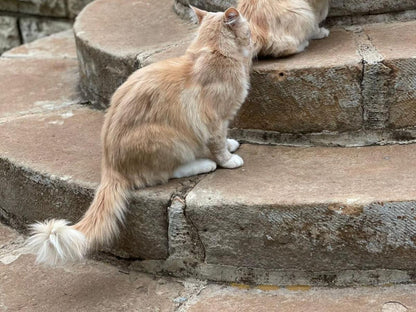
x,y
344,12
309,216
354,88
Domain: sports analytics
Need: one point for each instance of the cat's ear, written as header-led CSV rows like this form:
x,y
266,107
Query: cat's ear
x,y
231,16
199,13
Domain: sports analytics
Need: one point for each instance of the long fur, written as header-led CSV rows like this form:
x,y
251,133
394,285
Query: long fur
x,y
284,27
164,116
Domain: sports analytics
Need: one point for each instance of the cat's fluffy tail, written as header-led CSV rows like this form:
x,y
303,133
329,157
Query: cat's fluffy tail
x,y
55,241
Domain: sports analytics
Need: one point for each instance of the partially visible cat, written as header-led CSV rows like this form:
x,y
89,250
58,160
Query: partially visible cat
x,y
168,120
284,27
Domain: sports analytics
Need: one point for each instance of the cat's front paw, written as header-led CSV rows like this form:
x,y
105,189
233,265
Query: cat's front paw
x,y
302,46
232,145
234,162
321,33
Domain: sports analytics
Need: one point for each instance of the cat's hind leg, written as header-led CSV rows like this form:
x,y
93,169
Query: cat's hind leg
x,y
320,33
198,166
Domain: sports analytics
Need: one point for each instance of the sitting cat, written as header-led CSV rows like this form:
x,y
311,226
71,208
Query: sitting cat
x,y
168,120
284,27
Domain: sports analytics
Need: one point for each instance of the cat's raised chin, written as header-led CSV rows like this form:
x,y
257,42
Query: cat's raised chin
x,y
168,120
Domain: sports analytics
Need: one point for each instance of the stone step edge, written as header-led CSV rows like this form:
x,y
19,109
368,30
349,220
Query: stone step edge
x,y
186,254
358,138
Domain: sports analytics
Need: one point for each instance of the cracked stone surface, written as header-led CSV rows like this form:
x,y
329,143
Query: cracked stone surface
x,y
96,286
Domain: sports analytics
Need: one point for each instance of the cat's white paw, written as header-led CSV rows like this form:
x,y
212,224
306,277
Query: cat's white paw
x,y
195,167
232,145
303,46
321,33
234,162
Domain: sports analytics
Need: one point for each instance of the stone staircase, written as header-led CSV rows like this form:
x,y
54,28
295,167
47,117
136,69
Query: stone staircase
x,y
307,213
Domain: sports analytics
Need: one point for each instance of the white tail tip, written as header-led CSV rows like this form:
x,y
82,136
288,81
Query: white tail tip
x,y
55,242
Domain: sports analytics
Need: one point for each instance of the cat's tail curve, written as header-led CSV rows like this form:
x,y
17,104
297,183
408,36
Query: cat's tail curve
x,y
55,241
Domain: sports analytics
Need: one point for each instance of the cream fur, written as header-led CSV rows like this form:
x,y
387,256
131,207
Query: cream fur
x,y
163,119
284,27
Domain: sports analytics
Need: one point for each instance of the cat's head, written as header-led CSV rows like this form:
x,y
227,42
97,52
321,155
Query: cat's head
x,y
228,32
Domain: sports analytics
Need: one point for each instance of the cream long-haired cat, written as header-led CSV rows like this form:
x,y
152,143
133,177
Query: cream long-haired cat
x,y
168,120
284,27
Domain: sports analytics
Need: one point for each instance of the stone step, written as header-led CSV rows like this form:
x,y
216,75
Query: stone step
x,y
354,88
58,289
314,216
345,12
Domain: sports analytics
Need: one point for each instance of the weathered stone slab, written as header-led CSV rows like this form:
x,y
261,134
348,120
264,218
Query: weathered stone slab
x,y
310,209
87,287
307,92
110,47
59,45
33,28
38,7
9,33
7,235
396,45
302,299
33,85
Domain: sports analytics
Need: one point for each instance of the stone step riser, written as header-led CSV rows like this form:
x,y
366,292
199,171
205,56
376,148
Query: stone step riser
x,y
322,245
332,245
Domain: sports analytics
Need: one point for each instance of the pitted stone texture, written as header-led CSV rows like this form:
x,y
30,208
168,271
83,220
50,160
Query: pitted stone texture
x,y
396,45
313,209
7,235
33,28
9,33
37,7
87,287
59,45
306,92
33,85
304,299
111,46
